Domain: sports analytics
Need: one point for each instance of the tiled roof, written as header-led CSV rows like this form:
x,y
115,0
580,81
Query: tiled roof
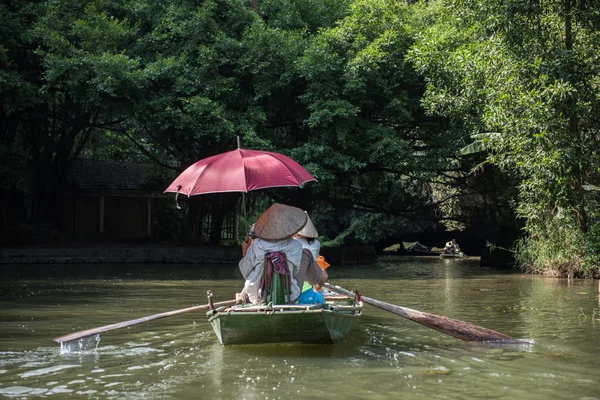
x,y
105,174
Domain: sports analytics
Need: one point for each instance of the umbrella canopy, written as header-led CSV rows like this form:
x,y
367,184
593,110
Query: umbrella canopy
x,y
240,170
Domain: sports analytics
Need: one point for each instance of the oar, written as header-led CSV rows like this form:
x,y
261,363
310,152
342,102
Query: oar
x,y
453,327
125,324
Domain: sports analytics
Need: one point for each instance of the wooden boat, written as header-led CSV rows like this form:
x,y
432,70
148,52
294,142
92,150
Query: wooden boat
x,y
328,323
452,255
316,323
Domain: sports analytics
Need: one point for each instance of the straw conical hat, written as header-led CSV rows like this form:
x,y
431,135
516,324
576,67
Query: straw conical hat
x,y
309,229
280,222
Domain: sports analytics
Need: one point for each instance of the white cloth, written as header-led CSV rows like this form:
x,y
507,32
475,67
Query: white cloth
x,y
314,247
251,266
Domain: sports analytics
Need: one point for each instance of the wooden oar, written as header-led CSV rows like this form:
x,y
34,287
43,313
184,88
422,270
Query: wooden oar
x,y
453,327
125,324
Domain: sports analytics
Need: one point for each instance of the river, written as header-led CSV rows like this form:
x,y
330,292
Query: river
x,y
384,357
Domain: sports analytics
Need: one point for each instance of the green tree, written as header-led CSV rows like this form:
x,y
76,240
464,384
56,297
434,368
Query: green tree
x,y
217,70
327,82
69,75
370,144
522,76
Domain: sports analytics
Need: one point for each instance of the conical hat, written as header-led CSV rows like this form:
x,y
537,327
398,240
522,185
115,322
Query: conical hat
x,y
309,229
280,222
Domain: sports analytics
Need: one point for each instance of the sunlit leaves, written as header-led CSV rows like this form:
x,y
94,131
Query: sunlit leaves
x,y
523,73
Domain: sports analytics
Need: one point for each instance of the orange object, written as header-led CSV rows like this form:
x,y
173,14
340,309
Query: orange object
x,y
322,263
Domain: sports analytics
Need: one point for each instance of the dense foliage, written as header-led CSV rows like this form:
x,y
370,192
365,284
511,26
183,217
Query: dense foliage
x,y
523,76
375,97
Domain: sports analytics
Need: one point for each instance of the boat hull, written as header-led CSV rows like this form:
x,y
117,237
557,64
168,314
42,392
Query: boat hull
x,y
313,324
460,255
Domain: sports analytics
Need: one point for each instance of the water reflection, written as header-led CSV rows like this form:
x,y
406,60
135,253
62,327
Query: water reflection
x,y
385,356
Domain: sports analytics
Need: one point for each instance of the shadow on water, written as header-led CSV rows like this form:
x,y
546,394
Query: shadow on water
x,y
388,267
125,272
268,351
415,268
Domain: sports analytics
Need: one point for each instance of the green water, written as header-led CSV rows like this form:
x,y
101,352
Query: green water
x,y
384,357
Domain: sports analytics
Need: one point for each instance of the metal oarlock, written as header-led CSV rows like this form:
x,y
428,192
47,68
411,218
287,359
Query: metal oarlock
x,y
210,300
357,297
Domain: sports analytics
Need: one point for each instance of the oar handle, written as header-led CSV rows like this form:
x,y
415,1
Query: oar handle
x,y
402,311
125,324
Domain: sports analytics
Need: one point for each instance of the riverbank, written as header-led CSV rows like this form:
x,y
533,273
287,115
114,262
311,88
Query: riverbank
x,y
116,254
127,253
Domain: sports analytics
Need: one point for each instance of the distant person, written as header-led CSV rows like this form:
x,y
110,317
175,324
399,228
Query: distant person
x,y
456,247
274,230
452,247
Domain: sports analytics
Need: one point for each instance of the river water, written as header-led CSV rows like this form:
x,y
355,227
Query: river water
x,y
384,357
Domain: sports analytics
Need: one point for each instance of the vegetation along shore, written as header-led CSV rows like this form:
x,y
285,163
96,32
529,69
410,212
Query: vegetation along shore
x,y
420,120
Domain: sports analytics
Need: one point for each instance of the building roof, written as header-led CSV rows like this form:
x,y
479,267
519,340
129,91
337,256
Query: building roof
x,y
106,174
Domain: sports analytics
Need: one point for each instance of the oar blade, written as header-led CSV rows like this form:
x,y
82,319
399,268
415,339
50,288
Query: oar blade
x,y
459,329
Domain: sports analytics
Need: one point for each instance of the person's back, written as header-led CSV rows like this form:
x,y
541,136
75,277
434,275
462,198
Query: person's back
x,y
274,230
311,244
252,264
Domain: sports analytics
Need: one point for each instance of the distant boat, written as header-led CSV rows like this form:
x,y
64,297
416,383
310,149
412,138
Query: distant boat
x,y
453,255
417,249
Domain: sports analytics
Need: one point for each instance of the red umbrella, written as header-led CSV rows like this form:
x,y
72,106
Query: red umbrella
x,y
239,170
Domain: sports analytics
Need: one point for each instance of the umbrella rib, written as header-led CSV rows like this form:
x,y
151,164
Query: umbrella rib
x,y
200,176
205,171
244,171
292,173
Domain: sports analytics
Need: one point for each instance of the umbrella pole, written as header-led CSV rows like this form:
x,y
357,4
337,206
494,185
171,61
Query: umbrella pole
x,y
244,202
245,217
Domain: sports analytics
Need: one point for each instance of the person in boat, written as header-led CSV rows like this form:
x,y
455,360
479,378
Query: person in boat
x,y
456,248
308,237
452,247
274,230
312,294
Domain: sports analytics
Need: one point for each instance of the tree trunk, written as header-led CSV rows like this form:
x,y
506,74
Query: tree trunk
x,y
3,218
222,205
52,180
578,194
579,199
